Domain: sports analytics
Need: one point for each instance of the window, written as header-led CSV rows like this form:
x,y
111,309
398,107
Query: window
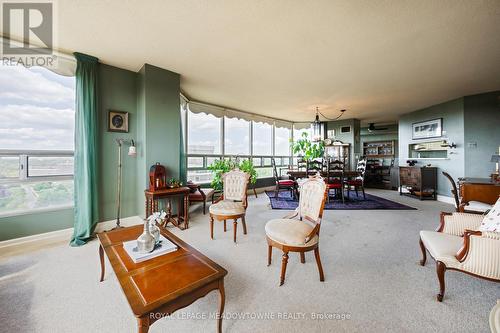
x,y
203,134
36,145
262,138
298,129
210,138
282,141
236,136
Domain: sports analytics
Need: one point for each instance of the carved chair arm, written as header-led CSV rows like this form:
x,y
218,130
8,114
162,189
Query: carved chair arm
x,y
457,223
291,215
218,199
315,230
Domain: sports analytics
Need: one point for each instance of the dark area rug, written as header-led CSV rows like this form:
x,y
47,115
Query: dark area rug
x,y
286,201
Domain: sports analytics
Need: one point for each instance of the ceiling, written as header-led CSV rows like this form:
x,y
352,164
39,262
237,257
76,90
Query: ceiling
x,y
281,58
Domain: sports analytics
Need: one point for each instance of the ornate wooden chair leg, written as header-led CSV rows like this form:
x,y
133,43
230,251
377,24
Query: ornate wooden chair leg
x,y
244,225
235,226
276,191
211,227
363,189
204,207
284,261
225,229
269,254
424,253
440,268
302,257
318,262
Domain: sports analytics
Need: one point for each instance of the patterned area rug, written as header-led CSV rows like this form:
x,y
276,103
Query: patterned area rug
x,y
286,201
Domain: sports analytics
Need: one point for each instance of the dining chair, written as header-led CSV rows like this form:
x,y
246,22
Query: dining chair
x,y
282,184
302,235
233,203
335,177
359,181
314,166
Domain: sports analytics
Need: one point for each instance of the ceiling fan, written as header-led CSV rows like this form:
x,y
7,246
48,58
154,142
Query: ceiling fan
x,y
372,128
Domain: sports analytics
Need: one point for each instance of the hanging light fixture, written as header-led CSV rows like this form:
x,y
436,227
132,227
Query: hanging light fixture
x,y
317,125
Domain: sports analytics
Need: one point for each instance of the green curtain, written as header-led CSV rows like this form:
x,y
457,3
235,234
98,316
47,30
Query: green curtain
x,y
182,166
86,131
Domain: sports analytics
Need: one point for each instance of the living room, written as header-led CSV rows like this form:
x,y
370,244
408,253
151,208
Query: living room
x,y
168,185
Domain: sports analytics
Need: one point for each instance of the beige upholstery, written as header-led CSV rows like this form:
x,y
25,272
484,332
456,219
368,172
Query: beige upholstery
x,y
290,232
312,192
235,185
441,246
478,206
495,318
227,208
456,223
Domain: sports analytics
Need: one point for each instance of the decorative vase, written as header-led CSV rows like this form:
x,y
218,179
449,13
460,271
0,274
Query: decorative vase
x,y
154,230
146,241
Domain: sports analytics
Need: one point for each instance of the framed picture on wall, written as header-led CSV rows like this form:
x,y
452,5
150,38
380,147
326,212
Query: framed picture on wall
x,y
427,129
118,121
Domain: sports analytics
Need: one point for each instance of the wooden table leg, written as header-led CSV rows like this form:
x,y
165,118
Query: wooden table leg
x,y
101,257
222,302
143,325
186,211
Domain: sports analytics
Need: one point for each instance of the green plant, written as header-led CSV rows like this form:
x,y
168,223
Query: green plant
x,y
219,167
307,149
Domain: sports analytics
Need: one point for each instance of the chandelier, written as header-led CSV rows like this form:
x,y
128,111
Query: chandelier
x,y
317,125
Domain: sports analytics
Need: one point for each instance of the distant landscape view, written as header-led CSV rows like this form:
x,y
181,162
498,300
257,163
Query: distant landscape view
x,y
36,116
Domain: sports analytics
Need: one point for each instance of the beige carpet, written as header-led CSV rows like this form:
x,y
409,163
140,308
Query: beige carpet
x,y
373,282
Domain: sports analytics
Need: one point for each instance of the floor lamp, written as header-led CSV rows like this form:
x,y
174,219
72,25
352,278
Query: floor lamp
x,y
131,152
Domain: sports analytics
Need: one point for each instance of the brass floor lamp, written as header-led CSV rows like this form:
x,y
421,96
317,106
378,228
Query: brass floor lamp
x,y
131,152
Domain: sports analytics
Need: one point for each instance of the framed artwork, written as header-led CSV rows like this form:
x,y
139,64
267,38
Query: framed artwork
x,y
427,129
118,121
345,129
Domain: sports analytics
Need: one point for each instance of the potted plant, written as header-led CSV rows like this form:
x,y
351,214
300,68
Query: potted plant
x,y
219,167
307,149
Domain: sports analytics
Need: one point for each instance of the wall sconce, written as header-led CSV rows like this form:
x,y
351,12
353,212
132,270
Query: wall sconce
x,y
449,145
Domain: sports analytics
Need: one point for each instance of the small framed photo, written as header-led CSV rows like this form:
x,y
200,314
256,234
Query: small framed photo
x,y
427,129
118,121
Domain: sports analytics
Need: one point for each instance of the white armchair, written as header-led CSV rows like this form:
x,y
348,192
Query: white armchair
x,y
232,204
458,244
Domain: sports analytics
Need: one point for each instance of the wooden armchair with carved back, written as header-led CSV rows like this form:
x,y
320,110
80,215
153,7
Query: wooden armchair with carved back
x,y
302,234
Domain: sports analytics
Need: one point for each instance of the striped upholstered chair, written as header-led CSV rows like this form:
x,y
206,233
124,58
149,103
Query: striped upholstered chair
x,y
232,205
464,242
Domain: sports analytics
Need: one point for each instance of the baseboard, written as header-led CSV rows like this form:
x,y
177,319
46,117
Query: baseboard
x,y
33,242
444,198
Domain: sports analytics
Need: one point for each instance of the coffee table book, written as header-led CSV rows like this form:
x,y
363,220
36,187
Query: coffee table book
x,y
164,246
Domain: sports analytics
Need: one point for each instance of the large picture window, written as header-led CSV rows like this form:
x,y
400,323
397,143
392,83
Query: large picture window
x,y
262,138
214,134
37,111
236,136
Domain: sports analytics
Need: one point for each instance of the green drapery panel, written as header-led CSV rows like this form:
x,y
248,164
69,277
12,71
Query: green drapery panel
x,y
86,130
183,161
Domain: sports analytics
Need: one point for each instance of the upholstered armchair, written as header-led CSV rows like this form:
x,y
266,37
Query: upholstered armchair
x,y
233,203
302,234
464,242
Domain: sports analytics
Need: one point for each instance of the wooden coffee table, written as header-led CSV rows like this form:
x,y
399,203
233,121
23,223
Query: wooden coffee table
x,y
158,287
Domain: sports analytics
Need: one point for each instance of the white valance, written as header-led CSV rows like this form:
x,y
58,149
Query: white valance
x,y
62,64
300,126
219,112
282,124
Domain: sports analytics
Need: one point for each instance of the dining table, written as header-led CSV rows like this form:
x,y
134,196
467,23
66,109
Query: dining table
x,y
295,173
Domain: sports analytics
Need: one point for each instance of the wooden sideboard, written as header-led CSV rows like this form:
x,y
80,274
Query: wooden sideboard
x,y
421,182
478,189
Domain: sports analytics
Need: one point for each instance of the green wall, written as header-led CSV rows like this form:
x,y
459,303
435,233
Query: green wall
x,y
472,123
151,97
452,113
482,133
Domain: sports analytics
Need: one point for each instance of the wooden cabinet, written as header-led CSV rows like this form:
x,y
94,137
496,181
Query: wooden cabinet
x,y
420,182
341,152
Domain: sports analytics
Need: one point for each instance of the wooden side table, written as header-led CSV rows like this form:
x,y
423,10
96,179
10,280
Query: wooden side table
x,y
181,193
